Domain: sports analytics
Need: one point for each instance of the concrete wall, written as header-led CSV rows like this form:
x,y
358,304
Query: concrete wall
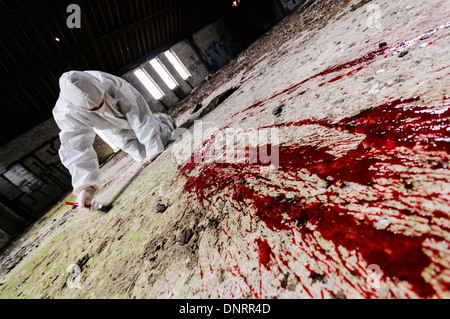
x,y
27,141
31,177
10,224
263,14
290,5
192,62
225,38
218,44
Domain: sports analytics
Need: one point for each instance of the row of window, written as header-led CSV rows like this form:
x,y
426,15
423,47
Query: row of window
x,y
151,85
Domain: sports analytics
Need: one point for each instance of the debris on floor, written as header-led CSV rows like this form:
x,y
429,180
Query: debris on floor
x,y
319,167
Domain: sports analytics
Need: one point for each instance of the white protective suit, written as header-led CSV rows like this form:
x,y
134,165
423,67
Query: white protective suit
x,y
125,119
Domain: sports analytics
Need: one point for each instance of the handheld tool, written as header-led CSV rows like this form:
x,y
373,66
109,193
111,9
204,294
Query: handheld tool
x,y
98,207
108,207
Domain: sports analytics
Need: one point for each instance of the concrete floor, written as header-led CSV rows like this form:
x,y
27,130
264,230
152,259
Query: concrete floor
x,y
351,201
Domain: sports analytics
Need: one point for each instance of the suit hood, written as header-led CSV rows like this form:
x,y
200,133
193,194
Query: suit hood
x,y
81,89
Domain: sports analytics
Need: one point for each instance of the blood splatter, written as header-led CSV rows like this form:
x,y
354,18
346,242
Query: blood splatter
x,y
399,124
363,62
395,124
265,253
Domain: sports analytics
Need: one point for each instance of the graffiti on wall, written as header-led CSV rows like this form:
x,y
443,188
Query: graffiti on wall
x,y
221,51
23,179
37,180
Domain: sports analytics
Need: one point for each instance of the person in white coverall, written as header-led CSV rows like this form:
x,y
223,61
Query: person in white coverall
x,y
94,99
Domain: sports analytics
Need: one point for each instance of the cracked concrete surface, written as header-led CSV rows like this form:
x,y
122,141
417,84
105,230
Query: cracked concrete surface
x,y
352,96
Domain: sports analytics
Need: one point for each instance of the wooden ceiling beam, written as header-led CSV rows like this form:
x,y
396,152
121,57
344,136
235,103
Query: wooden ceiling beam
x,y
92,42
35,44
96,42
30,10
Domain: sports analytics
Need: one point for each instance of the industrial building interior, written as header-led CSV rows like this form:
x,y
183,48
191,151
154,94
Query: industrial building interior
x,y
311,157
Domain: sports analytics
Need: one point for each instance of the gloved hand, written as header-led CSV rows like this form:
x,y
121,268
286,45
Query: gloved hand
x,y
85,197
148,160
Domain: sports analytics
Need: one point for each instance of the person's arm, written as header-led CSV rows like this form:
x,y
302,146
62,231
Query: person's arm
x,y
78,155
150,131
